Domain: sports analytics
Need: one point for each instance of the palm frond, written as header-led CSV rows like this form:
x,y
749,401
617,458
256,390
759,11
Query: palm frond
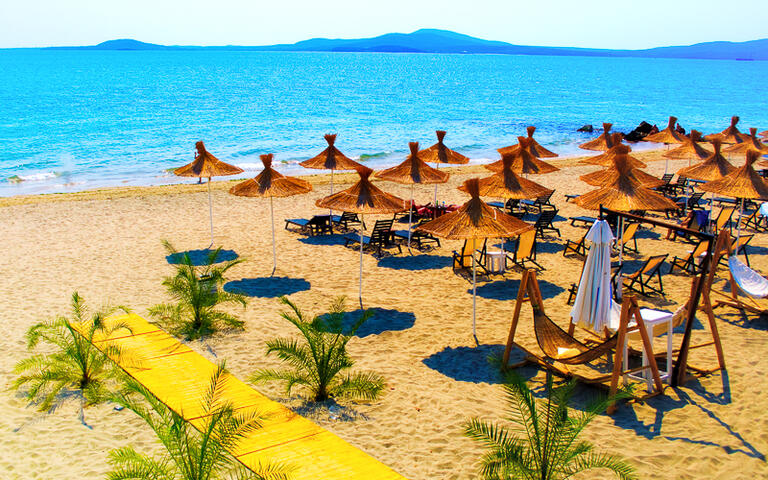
x,y
359,386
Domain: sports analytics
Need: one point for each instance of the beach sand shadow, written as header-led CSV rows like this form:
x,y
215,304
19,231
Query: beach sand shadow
x,y
468,364
507,289
382,320
333,239
415,262
200,257
267,287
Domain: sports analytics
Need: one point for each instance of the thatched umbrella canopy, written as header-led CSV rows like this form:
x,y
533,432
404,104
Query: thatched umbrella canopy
x,y
475,220
751,142
601,143
271,183
690,149
624,193
618,148
609,175
714,167
362,197
523,161
206,165
330,159
729,135
744,182
535,148
668,135
410,172
439,153
764,133
507,184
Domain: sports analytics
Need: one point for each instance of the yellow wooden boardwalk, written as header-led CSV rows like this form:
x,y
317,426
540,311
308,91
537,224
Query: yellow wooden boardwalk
x,y
178,377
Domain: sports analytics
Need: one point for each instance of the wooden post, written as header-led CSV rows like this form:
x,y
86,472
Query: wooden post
x,y
618,359
647,345
515,318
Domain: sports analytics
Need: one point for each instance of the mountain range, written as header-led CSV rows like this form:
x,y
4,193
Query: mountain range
x,y
444,41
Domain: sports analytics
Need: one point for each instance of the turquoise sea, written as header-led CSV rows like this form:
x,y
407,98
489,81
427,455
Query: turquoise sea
x,y
73,120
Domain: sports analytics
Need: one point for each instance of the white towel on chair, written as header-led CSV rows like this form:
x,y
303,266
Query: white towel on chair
x,y
751,282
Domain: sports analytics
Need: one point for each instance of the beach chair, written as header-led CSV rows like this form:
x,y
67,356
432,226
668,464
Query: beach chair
x,y
629,235
690,263
380,238
418,237
539,204
525,250
577,248
583,221
755,221
544,223
472,248
667,179
679,187
645,274
317,225
723,218
346,219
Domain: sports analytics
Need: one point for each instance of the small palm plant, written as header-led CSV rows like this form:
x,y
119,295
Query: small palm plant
x,y
191,454
543,444
197,293
75,365
319,360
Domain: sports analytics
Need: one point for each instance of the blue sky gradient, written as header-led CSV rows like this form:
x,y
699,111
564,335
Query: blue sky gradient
x,y
576,23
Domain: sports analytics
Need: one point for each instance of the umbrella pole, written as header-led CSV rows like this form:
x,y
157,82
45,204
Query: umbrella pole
x,y
330,212
274,250
210,210
360,286
410,219
474,298
437,167
738,228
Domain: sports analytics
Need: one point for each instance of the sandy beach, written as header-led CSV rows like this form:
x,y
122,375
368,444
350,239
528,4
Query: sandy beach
x,y
106,244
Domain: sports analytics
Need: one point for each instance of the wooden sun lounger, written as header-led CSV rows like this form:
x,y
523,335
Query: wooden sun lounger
x,y
317,225
586,221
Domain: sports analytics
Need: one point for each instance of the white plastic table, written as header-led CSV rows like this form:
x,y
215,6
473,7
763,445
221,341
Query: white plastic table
x,y
652,319
495,261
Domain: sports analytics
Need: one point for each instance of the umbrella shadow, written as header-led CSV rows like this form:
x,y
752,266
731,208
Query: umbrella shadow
x,y
507,289
332,239
468,364
415,262
200,257
648,233
267,287
382,320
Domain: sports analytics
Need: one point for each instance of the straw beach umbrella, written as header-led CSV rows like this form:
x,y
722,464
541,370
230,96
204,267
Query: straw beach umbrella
x,y
729,135
690,149
606,159
475,220
523,161
743,183
330,159
509,185
362,197
751,142
439,153
764,133
270,183
206,165
714,166
668,135
601,143
609,175
410,172
535,148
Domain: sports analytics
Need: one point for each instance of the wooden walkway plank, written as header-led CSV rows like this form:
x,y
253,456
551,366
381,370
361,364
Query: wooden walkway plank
x,y
179,377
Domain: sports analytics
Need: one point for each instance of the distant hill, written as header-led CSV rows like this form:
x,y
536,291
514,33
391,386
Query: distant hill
x,y
444,41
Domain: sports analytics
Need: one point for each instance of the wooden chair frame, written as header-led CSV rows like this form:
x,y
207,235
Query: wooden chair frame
x,y
645,274
544,222
577,248
518,258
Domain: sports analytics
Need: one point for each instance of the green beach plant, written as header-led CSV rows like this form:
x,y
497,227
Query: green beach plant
x,y
75,366
197,294
319,361
202,453
542,442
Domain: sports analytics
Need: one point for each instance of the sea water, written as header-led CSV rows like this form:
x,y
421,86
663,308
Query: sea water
x,y
73,120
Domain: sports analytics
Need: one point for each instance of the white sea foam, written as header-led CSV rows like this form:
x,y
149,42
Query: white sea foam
x,y
33,177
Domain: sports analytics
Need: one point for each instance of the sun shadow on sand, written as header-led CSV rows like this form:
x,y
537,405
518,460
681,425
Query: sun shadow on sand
x,y
200,257
267,287
507,289
382,320
333,239
468,364
415,262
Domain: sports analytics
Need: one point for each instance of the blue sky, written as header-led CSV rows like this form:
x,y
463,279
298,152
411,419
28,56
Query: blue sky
x,y
579,23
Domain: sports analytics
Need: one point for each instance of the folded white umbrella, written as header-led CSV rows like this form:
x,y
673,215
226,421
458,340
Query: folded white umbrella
x,y
592,308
